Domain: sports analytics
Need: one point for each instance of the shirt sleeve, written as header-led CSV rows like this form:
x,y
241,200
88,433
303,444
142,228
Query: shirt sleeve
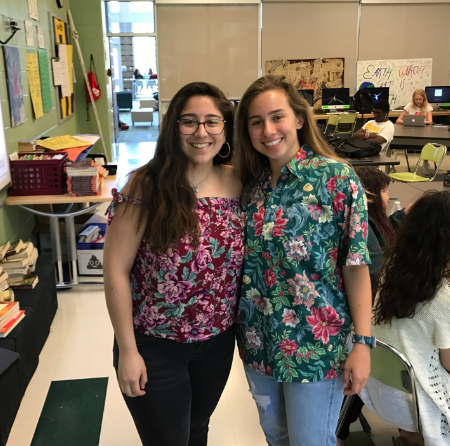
x,y
387,132
350,209
117,199
429,108
407,108
376,256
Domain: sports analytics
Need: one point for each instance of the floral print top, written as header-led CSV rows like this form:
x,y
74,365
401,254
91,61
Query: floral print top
x,y
190,293
293,317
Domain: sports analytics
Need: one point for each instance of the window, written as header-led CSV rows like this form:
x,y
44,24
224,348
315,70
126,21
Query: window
x,y
130,17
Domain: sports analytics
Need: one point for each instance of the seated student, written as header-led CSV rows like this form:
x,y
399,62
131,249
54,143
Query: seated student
x,y
380,231
418,106
379,129
137,74
412,310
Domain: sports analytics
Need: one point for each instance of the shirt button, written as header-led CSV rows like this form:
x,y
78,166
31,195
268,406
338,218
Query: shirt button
x,y
271,207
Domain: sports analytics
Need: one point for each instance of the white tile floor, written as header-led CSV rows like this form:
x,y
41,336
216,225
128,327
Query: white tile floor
x,y
80,346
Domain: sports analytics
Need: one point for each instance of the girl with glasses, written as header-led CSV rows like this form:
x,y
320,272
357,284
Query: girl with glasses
x,y
173,259
306,278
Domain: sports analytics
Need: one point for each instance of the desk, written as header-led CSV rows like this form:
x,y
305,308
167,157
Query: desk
x,y
27,202
419,136
379,160
392,114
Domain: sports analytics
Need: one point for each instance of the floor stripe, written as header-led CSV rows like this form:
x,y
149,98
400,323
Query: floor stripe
x,y
72,413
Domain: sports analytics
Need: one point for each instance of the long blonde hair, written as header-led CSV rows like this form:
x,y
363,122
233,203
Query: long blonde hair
x,y
250,163
422,93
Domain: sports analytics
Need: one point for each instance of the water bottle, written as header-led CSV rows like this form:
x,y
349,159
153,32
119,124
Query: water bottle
x,y
397,207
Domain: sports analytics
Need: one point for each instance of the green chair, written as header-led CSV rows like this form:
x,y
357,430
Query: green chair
x,y
346,124
332,123
390,371
430,152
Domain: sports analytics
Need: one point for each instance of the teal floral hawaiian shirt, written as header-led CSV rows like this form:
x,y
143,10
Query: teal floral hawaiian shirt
x,y
294,317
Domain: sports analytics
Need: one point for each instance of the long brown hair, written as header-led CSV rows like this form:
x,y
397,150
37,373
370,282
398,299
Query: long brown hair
x,y
417,261
374,181
250,163
168,201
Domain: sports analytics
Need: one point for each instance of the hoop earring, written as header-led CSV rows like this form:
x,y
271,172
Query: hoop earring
x,y
229,151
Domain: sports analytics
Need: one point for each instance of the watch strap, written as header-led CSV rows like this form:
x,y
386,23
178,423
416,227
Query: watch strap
x,y
366,340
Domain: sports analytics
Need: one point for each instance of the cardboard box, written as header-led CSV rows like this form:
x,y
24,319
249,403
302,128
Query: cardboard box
x,y
90,255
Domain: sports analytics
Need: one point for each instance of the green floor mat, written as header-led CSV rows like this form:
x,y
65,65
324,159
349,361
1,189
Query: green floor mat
x,y
72,414
359,439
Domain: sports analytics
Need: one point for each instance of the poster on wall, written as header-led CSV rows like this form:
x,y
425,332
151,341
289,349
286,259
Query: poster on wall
x,y
313,74
5,174
14,81
402,76
34,83
44,73
64,56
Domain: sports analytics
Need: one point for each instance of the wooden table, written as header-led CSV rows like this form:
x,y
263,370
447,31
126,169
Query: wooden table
x,y
27,202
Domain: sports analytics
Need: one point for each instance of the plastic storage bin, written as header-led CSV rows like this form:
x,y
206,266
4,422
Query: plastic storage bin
x,y
38,177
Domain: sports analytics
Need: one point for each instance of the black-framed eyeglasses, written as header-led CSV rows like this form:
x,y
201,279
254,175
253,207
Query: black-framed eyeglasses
x,y
190,126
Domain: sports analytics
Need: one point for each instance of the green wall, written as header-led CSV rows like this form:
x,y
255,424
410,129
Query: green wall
x,y
15,222
88,18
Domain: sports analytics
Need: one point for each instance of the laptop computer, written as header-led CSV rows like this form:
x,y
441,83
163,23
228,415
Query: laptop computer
x,y
414,120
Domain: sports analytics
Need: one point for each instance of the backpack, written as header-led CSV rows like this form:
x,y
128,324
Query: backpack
x,y
363,101
359,148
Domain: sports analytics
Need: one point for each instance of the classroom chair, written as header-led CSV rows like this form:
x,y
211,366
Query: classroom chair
x,y
346,124
430,152
391,377
332,123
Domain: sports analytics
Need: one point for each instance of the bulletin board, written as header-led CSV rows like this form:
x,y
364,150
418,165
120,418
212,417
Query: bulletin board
x,y
402,76
313,74
63,54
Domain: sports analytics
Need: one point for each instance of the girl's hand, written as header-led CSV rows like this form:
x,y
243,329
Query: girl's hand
x,y
356,369
132,374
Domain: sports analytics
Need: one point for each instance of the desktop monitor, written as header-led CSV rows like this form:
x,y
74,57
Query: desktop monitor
x,y
378,93
439,96
335,98
308,95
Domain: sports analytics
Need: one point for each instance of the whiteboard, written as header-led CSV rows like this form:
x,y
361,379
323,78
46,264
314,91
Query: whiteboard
x,y
5,174
402,76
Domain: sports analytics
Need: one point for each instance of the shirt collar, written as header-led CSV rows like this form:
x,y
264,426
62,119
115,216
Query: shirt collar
x,y
296,164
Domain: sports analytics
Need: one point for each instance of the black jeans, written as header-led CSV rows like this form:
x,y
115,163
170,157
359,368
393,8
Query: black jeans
x,y
185,382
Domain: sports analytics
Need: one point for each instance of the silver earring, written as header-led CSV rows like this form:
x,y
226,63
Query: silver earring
x,y
229,151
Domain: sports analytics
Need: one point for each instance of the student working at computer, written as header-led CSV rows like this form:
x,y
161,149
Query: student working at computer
x,y
418,106
379,129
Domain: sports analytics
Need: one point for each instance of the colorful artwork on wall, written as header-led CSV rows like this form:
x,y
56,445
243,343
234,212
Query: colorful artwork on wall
x,y
14,81
313,74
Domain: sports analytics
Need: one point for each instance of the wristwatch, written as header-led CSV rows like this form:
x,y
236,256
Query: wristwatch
x,y
366,340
